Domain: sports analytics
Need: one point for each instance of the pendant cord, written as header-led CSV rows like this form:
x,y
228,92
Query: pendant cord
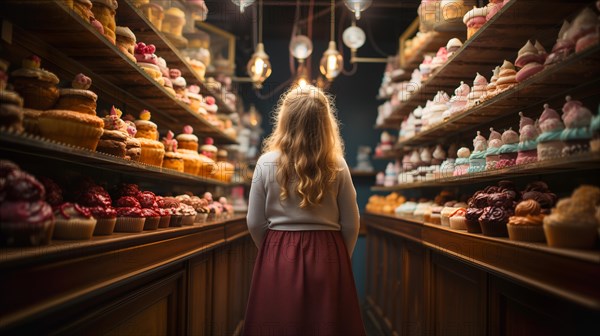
x,y
331,33
260,20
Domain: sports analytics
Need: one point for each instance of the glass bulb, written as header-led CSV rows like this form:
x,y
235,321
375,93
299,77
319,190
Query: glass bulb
x,y
302,82
354,37
259,67
357,6
243,4
301,47
332,62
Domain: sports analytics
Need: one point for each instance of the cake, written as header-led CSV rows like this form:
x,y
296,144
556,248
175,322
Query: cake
x,y
506,77
477,159
573,223
133,148
11,111
105,11
528,133
478,91
79,98
114,138
154,12
147,60
126,42
438,107
179,85
35,85
188,147
530,61
526,224
576,135
492,154
172,27
462,164
73,222
129,215
475,19
73,128
595,129
491,87
453,46
172,159
549,144
584,30
209,149
563,46
153,151
509,150
458,102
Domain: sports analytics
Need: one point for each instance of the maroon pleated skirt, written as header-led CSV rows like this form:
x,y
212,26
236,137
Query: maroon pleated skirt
x,y
303,285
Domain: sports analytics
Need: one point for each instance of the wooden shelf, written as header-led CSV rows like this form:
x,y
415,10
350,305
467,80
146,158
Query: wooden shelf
x,y
362,173
386,156
586,161
81,157
579,74
432,45
61,37
129,16
518,21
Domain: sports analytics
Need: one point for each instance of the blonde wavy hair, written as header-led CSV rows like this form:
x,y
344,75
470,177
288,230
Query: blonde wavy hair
x,y
308,139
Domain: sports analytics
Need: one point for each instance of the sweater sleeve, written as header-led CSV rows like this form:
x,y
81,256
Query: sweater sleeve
x,y
256,217
349,214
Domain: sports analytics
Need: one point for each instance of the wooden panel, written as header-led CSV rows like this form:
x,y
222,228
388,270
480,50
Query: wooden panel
x,y
200,295
414,294
458,298
234,292
220,296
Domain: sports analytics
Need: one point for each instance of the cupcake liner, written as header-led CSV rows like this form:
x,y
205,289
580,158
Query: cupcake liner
x,y
74,229
435,219
176,221
571,236
17,234
595,145
459,223
164,221
526,233
175,164
151,223
152,156
191,165
473,227
105,226
130,224
201,218
494,229
188,220
78,103
70,132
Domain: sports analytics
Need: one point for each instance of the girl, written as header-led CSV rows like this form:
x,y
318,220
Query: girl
x,y
304,218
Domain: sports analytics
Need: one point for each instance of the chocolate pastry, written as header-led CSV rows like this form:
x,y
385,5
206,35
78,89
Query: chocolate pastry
x,y
54,195
20,186
493,221
472,217
147,199
25,223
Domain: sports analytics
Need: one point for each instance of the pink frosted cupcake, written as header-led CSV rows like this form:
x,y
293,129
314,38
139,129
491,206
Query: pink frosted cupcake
x,y
458,102
492,155
74,222
508,151
530,60
461,165
563,46
478,91
477,159
458,221
527,149
549,145
576,136
129,215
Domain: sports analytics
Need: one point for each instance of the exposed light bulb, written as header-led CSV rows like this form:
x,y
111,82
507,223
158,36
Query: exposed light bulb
x,y
301,47
259,67
243,4
259,64
357,6
354,37
332,62
302,82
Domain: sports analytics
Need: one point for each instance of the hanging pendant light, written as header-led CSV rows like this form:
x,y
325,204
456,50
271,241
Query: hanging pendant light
x,y
357,6
243,4
354,37
301,47
332,61
259,67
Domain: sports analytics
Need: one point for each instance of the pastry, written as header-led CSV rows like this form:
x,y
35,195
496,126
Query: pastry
x,y
172,27
79,98
453,46
457,219
31,121
208,156
146,128
478,91
179,85
508,151
25,218
406,209
491,87
506,77
526,224
539,192
198,67
477,159
105,11
173,159
438,107
494,7
73,128
193,93
83,8
458,102
576,135
441,57
541,51
475,19
36,85
492,154
223,169
438,156
146,59
133,148
126,42
106,218
530,60
188,147
549,144
573,223
425,67
563,46
11,111
461,165
209,149
170,204
73,222
114,138
493,221
153,151
595,129
129,215
154,12
584,30
528,133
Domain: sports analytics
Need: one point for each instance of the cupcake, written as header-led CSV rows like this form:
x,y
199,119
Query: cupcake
x,y
461,165
506,77
493,221
173,159
73,128
25,218
530,61
477,159
573,223
457,219
595,129
526,224
147,133
208,156
170,204
223,169
478,91
209,149
154,12
211,107
435,217
79,98
31,122
438,156
187,144
36,85
475,19
98,201
106,218
179,85
509,150
133,148
406,209
494,8
188,213
440,58
492,155
126,42
584,30
165,217
73,222
539,192
11,111
563,46
421,209
146,59
458,102
201,207
172,27
83,8
195,98
576,135
105,11
453,46
549,144
436,111
152,219
129,215
227,208
491,87
114,138
528,133
446,211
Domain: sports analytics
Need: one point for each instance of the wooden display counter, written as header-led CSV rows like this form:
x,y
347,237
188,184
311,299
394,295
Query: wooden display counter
x,y
191,280
425,279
